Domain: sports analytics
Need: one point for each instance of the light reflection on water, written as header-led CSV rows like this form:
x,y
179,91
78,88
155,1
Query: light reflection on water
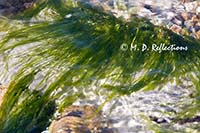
x,y
129,113
126,111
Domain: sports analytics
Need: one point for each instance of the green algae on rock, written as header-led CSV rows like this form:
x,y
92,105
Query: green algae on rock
x,y
81,49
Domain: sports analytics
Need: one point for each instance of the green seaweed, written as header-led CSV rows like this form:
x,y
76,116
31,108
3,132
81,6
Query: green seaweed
x,y
81,50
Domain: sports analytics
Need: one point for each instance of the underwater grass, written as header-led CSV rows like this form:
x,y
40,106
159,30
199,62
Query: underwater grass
x,y
80,50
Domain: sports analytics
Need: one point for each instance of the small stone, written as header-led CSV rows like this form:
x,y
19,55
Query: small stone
x,y
108,130
198,10
28,5
197,34
196,28
195,18
184,15
191,6
175,28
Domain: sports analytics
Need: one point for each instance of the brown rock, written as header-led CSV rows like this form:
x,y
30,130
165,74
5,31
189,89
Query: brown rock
x,y
184,15
79,119
195,18
175,28
198,34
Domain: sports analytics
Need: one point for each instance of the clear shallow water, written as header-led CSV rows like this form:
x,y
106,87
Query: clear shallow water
x,y
130,114
169,14
127,112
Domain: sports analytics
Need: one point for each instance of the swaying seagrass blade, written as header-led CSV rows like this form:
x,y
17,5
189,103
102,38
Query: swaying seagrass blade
x,y
79,51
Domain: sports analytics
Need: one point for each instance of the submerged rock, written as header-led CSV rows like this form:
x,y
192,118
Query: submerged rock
x,y
79,119
130,113
8,7
180,16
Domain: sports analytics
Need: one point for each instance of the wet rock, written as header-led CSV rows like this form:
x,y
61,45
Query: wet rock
x,y
191,6
152,8
175,28
189,120
182,18
198,34
184,15
8,7
79,119
158,120
176,21
180,121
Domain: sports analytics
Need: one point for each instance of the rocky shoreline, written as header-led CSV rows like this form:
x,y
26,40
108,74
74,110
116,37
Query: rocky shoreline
x,y
181,17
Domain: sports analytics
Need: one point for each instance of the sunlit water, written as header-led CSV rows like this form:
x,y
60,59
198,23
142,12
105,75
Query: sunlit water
x,y
129,114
